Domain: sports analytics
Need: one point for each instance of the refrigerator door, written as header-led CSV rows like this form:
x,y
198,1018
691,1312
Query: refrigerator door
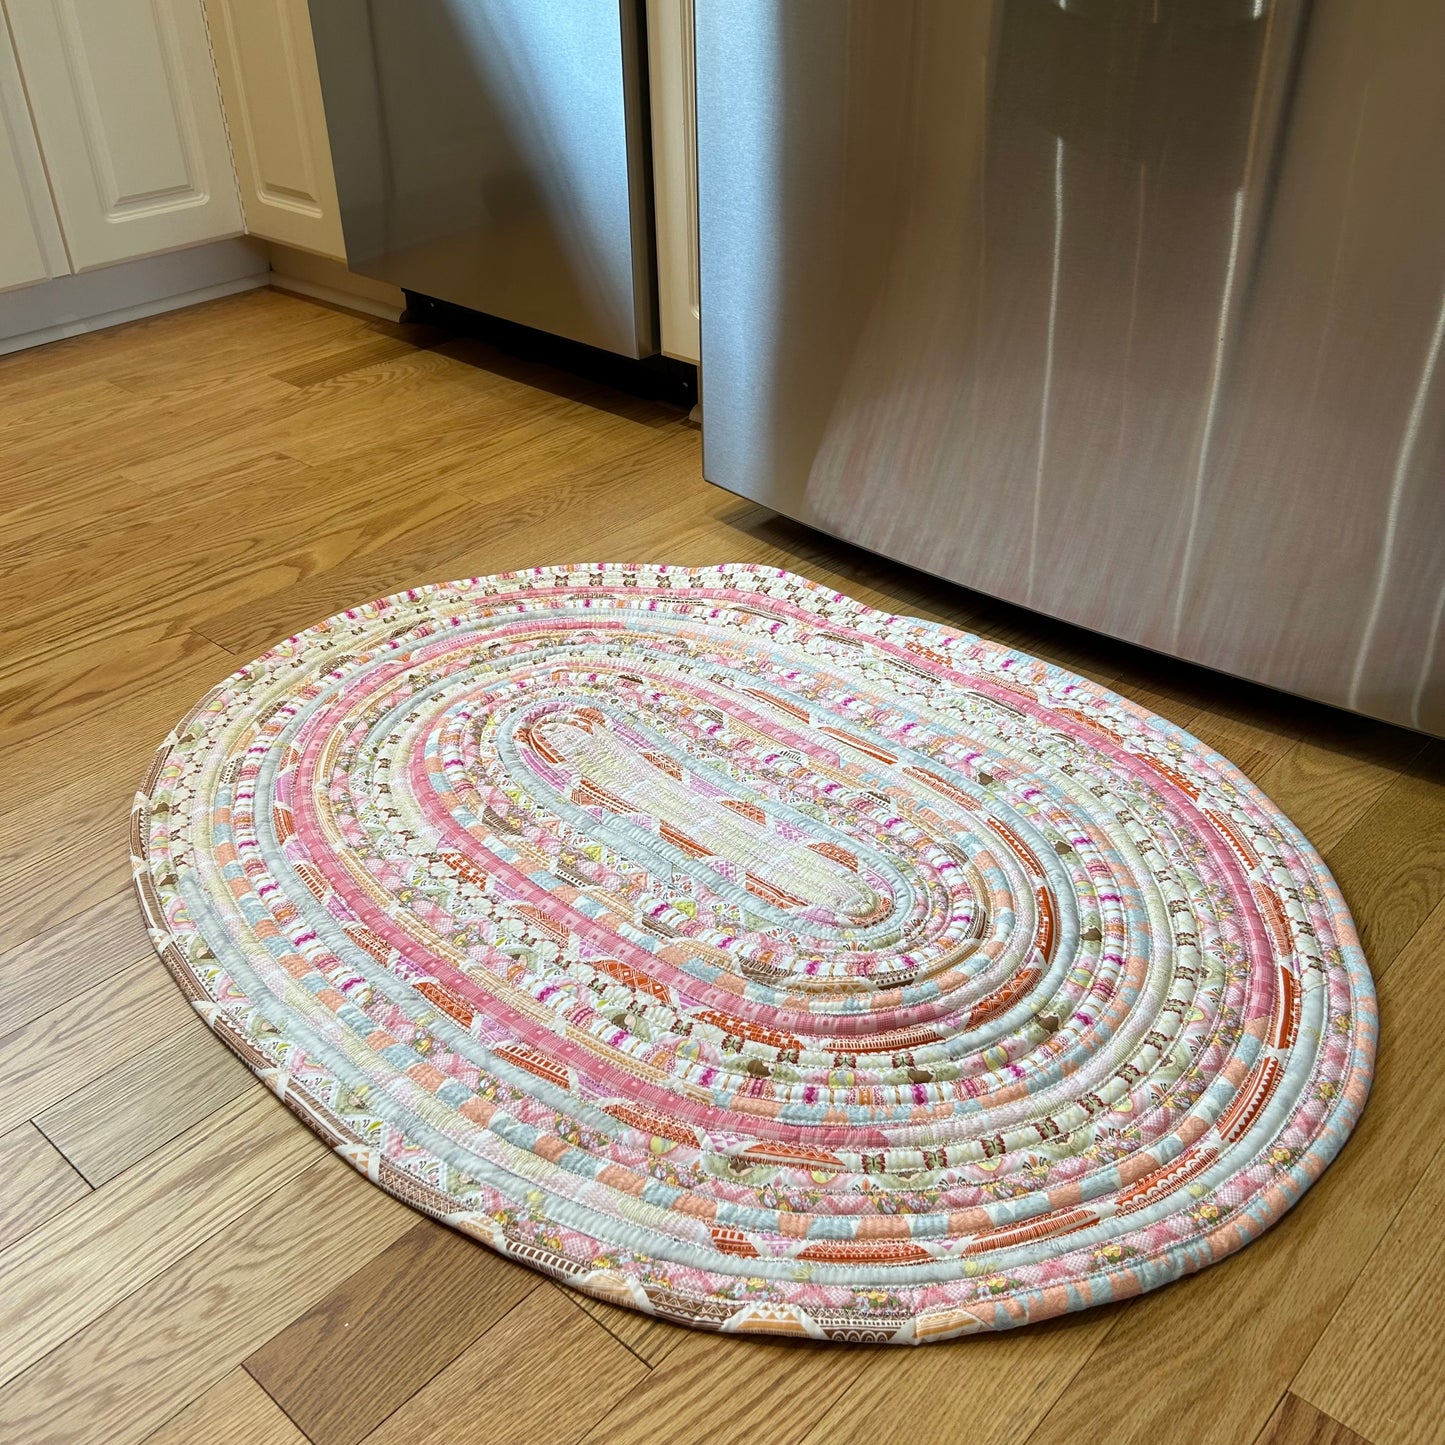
x,y
1129,311
493,153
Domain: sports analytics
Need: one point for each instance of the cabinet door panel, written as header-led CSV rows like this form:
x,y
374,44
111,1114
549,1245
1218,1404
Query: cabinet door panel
x,y
125,104
30,246
266,61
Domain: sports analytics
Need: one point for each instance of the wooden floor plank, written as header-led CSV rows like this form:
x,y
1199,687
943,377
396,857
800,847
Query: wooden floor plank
x,y
167,1342
542,1375
386,1331
988,1390
37,466
1326,790
1374,1366
51,714
219,337
49,423
1297,1422
70,1270
78,732
234,1411
740,1388
243,341
462,544
127,499
35,1182
76,1042
648,1338
43,973
366,352
229,554
145,1102
1391,864
1218,1349
229,347
49,875
412,398
210,353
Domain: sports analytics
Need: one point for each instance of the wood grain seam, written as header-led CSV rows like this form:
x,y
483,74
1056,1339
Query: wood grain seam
x,y
201,1242
163,1425
1066,1384
1345,1293
601,1324
150,1153
1262,1439
35,1124
843,1388
1258,1437
38,938
245,1080
45,1218
244,1364
200,631
441,1370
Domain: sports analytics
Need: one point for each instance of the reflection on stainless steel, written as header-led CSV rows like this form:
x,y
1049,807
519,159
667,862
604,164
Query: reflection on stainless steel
x,y
493,153
1127,310
1404,465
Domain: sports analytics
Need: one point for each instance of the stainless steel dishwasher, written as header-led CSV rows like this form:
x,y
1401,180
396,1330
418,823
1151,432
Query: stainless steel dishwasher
x,y
493,154
1130,311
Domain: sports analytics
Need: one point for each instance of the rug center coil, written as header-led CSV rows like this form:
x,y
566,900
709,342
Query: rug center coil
x,y
695,818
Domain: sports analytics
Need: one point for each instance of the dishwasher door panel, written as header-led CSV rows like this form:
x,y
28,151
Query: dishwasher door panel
x,y
493,153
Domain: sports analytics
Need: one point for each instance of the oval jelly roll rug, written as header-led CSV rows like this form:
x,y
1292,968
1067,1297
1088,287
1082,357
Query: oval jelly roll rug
x,y
736,952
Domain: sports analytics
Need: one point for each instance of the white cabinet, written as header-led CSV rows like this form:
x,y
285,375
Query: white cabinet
x,y
674,173
124,102
266,61
30,246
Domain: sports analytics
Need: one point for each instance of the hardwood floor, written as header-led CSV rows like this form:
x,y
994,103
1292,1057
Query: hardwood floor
x,y
181,1261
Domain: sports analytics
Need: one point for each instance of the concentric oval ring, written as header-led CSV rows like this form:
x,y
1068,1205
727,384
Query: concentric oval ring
x,y
736,952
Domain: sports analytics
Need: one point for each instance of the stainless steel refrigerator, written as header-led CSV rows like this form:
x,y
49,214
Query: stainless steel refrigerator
x,y
1129,311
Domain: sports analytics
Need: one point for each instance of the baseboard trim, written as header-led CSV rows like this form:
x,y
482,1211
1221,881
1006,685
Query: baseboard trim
x,y
79,326
334,297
